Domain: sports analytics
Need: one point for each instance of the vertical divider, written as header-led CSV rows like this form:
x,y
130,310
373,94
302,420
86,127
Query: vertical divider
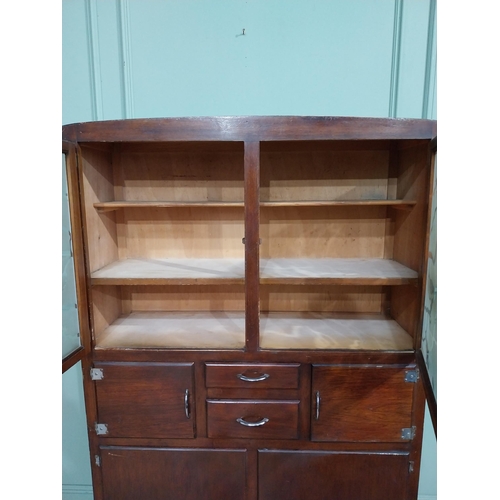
x,y
252,312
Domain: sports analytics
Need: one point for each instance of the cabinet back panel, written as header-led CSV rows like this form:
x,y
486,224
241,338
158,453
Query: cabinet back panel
x,y
322,298
320,232
98,186
182,172
186,232
186,298
324,171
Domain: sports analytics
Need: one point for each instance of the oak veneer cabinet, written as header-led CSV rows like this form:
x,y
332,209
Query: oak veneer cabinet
x,y
251,297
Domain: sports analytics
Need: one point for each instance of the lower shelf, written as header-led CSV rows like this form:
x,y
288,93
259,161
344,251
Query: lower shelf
x,y
189,330
332,331
226,330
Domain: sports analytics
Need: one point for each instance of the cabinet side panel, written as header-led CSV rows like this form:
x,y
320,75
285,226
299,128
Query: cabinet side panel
x,y
98,186
106,307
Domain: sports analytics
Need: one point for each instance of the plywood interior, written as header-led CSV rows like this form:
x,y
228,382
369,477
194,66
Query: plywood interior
x,y
310,330
182,171
321,298
321,232
325,170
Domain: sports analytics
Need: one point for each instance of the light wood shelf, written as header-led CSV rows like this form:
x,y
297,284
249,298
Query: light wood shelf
x,y
116,205
335,271
183,330
171,272
310,330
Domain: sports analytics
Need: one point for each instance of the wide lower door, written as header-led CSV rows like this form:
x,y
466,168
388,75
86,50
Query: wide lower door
x,y
318,475
174,474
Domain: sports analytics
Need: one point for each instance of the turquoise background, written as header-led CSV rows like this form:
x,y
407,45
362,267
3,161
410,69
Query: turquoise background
x,y
154,58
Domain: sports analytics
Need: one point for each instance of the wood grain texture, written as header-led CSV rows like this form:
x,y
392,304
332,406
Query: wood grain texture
x,y
146,399
280,419
360,404
131,473
317,331
299,475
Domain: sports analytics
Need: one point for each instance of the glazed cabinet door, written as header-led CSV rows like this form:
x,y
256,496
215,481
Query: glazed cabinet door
x,y
173,474
145,400
328,475
362,403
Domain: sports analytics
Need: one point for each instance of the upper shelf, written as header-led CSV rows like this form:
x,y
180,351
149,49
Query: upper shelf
x,y
116,205
272,271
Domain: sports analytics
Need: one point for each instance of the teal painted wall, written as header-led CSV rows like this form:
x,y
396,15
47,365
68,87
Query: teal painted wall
x,y
152,58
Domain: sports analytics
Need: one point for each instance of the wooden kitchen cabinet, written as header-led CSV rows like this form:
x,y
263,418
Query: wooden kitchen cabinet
x,y
250,298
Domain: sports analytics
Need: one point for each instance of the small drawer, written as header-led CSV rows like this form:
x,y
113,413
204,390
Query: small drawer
x,y
254,376
253,419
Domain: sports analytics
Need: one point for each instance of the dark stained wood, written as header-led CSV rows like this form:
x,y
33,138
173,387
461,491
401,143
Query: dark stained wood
x,y
146,399
174,474
276,419
301,475
252,376
354,450
73,358
360,403
247,128
428,390
251,166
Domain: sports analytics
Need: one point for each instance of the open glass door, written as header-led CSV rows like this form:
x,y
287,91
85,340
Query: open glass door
x,y
73,271
427,355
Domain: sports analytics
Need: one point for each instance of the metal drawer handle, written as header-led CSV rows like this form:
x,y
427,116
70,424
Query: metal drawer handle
x,y
252,424
186,404
318,400
250,379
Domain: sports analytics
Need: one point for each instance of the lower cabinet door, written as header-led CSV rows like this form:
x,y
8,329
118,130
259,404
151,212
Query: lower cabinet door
x,y
131,473
361,403
146,400
319,475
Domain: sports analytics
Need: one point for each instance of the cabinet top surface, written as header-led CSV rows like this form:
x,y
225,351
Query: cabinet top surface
x,y
250,128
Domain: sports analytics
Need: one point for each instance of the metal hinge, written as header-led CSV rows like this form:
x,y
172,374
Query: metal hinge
x,y
408,432
101,429
96,373
98,460
411,466
412,376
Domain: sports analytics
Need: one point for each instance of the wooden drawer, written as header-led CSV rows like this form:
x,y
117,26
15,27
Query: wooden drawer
x,y
253,419
252,376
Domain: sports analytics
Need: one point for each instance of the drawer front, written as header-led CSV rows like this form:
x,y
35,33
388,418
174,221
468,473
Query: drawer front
x,y
253,419
252,376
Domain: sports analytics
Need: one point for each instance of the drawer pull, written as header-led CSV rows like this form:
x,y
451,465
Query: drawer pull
x,y
186,404
260,423
250,379
318,400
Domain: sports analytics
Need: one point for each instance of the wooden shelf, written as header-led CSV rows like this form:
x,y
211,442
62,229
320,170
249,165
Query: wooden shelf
x,y
176,330
171,272
335,271
109,206
320,331
116,205
399,204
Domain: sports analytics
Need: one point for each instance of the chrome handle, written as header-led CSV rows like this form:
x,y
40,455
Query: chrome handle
x,y
249,379
252,424
186,404
318,400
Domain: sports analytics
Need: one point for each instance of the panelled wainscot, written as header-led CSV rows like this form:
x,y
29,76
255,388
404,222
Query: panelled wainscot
x,y
251,295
